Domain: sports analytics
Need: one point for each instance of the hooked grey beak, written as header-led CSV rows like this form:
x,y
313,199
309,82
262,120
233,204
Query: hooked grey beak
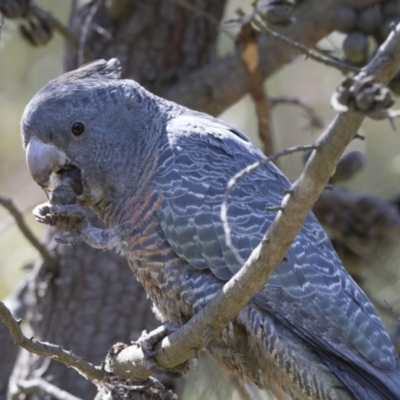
x,y
43,160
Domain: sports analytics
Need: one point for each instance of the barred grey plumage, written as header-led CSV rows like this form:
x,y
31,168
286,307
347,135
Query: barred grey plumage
x,y
156,173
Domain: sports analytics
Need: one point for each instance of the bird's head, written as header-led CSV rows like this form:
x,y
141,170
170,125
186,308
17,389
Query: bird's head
x,y
93,128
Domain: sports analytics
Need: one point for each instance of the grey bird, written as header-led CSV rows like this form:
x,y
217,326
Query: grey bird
x,y
156,173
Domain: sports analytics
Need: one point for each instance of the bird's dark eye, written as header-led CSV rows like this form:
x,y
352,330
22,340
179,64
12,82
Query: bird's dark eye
x,y
78,128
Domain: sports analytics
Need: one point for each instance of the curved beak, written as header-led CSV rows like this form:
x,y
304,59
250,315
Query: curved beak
x,y
43,160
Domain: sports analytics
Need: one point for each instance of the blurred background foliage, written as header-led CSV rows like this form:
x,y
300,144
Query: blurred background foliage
x,y
25,69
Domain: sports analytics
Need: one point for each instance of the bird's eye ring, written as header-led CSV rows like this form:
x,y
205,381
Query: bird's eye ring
x,y
78,128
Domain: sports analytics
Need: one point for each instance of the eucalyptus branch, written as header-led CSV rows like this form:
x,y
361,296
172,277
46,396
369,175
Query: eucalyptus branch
x,y
47,349
314,55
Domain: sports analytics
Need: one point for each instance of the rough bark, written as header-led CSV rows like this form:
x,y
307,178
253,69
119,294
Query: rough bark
x,y
157,42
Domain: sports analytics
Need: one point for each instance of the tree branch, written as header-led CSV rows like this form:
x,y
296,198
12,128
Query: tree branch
x,y
17,303
315,120
223,82
23,227
309,53
49,350
248,47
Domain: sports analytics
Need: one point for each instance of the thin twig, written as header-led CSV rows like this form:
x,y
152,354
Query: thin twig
x,y
9,221
52,351
328,53
315,120
23,227
37,386
242,174
332,62
395,315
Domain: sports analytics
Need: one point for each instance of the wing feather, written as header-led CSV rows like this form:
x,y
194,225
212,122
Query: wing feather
x,y
310,291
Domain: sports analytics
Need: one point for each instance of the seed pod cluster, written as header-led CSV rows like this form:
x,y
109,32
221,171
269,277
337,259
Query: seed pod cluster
x,y
364,95
365,30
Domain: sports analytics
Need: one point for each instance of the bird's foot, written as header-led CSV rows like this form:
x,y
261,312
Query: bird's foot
x,y
148,342
69,217
72,218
